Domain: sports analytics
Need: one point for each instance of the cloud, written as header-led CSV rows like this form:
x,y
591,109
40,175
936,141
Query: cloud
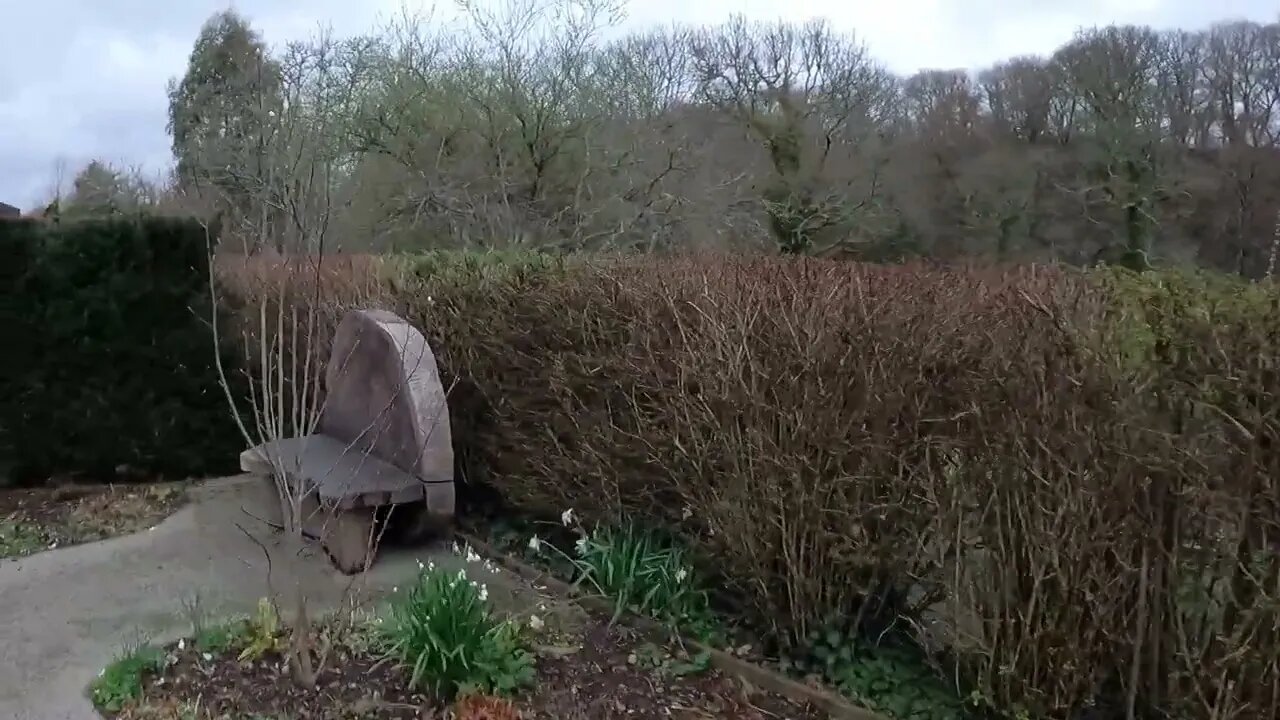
x,y
86,79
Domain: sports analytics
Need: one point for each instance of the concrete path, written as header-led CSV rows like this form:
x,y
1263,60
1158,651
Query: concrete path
x,y
64,614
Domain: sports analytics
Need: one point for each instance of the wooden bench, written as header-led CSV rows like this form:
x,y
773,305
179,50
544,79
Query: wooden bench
x,y
382,441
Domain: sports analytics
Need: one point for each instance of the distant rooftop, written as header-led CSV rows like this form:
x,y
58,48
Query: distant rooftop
x,y
9,211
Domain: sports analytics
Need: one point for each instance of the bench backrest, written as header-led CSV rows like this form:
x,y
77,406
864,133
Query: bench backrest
x,y
384,397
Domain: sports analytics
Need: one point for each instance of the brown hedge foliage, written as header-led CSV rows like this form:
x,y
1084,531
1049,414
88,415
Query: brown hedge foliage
x,y
1075,510
281,312
252,287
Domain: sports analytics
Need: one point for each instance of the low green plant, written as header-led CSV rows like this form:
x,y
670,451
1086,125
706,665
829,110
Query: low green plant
x,y
120,683
655,657
262,632
18,539
225,636
443,630
889,679
641,572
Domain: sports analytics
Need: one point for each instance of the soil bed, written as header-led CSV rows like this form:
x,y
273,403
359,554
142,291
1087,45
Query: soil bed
x,y
887,681
36,519
597,672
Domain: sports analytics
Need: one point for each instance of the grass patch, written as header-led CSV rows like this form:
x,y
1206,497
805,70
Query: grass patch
x,y
223,637
120,683
18,539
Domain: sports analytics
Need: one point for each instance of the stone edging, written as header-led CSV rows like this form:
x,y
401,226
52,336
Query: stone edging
x,y
761,677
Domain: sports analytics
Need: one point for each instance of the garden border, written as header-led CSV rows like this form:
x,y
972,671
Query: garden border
x,y
759,676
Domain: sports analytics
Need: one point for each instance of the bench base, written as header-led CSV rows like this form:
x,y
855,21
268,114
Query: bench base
x,y
351,540
347,536
350,537
421,525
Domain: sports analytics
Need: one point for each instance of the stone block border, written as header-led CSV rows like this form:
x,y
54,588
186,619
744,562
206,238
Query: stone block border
x,y
766,679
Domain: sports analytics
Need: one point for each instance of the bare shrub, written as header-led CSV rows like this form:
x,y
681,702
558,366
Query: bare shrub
x,y
1067,495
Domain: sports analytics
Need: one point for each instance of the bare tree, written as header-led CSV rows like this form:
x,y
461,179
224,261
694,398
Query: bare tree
x,y
521,125
1019,96
811,99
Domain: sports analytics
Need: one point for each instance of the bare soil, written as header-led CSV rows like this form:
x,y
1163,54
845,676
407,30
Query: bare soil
x,y
599,672
36,519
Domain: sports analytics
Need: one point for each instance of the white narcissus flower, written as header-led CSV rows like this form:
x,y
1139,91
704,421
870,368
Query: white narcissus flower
x,y
535,622
484,593
581,545
535,544
421,566
567,517
472,555
681,574
182,644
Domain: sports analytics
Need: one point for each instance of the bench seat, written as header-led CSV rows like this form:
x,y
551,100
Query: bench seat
x,y
343,478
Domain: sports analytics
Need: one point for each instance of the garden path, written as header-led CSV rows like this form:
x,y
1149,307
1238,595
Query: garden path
x,y
66,613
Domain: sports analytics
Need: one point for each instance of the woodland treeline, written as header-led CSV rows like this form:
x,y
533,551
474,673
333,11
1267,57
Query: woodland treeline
x,y
535,127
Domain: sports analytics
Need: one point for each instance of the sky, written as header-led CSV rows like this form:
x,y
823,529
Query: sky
x,y
85,79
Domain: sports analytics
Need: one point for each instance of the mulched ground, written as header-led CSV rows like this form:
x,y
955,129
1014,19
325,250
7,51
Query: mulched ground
x,y
602,672
32,520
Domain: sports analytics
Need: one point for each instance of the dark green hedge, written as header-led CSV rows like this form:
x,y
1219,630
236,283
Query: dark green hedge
x,y
110,359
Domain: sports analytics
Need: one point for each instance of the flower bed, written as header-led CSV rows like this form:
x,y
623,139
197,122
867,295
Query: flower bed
x,y
465,635
636,572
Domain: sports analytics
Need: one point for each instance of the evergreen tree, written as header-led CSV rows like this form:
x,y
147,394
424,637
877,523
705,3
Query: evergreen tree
x,y
222,116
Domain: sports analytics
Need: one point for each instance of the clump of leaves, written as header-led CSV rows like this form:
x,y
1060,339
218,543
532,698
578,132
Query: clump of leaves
x,y
120,683
262,632
484,707
642,573
890,679
650,655
444,632
18,539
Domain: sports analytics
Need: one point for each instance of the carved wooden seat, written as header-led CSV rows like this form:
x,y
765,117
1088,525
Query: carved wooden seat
x,y
382,440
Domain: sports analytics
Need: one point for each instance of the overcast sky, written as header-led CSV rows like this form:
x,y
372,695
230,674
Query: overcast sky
x,y
85,79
